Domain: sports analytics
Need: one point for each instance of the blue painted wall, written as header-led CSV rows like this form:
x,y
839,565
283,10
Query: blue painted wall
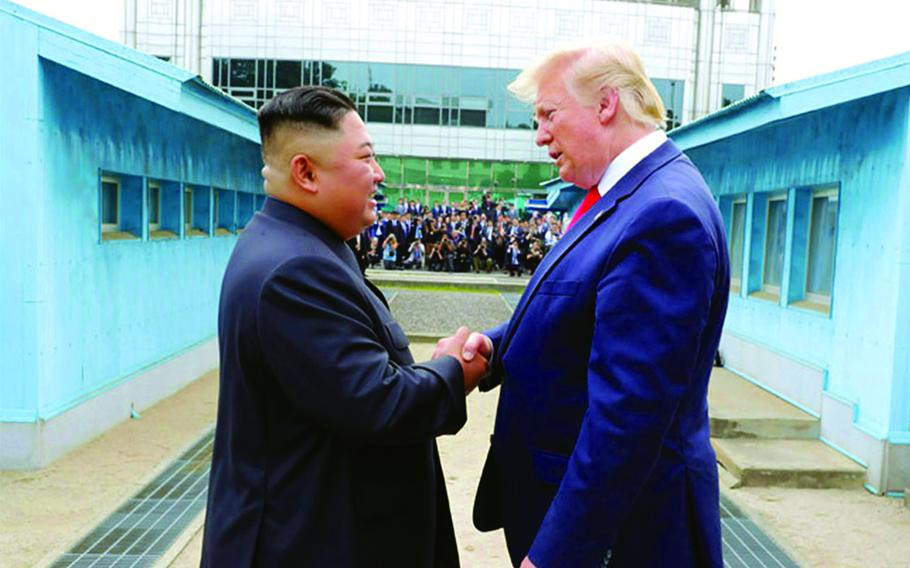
x,y
79,315
862,147
21,189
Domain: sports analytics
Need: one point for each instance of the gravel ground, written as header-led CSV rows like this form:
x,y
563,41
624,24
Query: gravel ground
x,y
442,313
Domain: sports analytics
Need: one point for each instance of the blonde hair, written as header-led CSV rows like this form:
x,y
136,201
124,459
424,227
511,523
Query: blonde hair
x,y
590,67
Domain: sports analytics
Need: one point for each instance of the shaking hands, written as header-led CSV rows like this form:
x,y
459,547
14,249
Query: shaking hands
x,y
472,349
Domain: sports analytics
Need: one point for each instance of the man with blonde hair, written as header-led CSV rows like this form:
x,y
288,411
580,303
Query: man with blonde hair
x,y
600,452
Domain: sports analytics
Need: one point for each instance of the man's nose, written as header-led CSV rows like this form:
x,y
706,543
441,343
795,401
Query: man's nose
x,y
378,174
543,136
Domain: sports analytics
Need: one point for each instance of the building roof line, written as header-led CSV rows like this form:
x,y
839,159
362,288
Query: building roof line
x,y
110,47
128,55
807,94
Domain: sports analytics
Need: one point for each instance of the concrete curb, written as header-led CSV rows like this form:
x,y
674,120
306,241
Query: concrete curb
x,y
424,337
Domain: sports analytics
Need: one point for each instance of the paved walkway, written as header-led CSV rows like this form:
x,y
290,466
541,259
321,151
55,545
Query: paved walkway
x,y
45,512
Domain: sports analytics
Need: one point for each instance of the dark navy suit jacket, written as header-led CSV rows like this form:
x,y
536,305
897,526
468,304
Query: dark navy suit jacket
x,y
601,440
324,449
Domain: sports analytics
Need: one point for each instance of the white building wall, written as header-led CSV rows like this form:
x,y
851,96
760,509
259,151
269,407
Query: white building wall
x,y
702,46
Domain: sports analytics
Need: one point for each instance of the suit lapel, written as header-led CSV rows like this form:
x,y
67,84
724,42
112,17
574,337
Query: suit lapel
x,y
604,207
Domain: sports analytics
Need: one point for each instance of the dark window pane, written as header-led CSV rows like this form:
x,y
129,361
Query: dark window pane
x,y
261,74
243,72
821,244
473,117
307,73
287,74
109,203
774,242
216,72
188,207
154,205
380,113
404,115
426,115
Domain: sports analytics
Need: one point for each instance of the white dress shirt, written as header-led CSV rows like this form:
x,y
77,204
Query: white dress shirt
x,y
629,158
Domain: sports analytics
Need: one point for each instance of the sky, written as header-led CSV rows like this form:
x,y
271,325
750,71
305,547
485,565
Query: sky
x,y
810,36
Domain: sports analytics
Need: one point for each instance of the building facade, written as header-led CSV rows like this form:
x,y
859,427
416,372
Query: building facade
x,y
430,77
126,181
813,180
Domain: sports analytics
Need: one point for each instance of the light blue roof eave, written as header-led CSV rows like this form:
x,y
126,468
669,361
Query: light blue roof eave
x,y
137,73
796,98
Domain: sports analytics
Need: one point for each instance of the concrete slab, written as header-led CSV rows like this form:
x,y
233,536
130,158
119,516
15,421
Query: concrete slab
x,y
788,463
740,409
479,282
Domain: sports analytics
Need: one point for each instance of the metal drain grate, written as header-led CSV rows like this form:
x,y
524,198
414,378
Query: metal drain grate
x,y
143,528
746,545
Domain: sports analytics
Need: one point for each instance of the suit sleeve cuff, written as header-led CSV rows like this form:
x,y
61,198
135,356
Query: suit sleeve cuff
x,y
448,370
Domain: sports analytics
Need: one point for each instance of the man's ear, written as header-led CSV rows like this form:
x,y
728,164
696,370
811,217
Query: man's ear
x,y
303,173
608,104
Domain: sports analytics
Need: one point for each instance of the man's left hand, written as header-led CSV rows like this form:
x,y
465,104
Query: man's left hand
x,y
526,563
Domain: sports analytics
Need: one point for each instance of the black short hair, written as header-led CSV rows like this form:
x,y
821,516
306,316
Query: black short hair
x,y
321,107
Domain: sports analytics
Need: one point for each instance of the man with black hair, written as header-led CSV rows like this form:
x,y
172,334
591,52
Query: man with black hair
x,y
324,452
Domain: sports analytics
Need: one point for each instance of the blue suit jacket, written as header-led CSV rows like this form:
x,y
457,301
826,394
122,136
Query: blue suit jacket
x,y
324,447
601,440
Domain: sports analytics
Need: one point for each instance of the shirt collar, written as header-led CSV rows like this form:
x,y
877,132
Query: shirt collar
x,y
629,158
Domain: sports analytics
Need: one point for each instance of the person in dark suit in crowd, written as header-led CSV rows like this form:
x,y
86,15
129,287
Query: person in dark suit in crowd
x,y
360,245
324,452
600,453
514,257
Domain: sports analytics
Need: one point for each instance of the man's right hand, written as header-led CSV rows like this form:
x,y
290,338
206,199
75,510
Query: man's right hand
x,y
474,364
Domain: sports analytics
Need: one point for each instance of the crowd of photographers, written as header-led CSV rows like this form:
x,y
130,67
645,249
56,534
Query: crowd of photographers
x,y
462,237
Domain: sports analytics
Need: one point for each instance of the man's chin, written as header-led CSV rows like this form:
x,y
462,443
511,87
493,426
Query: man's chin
x,y
566,174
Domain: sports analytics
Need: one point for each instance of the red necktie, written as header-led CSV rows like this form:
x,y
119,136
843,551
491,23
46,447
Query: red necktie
x,y
590,199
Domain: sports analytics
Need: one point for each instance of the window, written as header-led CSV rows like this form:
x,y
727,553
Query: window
x,y
822,236
188,209
731,93
775,241
223,210
737,242
812,251
154,205
164,202
196,211
671,92
110,204
388,93
120,204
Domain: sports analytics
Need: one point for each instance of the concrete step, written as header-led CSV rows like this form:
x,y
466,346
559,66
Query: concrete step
x,y
739,409
808,464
